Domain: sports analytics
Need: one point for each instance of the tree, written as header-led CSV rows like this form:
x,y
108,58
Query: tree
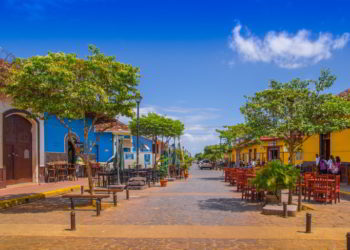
x,y
294,111
213,153
199,156
95,89
236,135
156,126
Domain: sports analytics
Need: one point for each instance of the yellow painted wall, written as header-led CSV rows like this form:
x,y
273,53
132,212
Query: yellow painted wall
x,y
340,145
311,147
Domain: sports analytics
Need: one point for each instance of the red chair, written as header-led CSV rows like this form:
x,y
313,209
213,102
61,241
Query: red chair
x,y
323,190
226,172
240,181
249,190
337,189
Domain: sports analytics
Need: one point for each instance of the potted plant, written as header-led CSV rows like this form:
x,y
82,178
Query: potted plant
x,y
163,172
186,165
274,178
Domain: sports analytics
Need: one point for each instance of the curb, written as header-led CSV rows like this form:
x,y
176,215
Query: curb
x,y
307,207
34,197
345,193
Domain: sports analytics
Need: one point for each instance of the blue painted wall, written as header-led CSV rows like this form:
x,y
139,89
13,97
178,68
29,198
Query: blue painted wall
x,y
105,146
55,133
143,140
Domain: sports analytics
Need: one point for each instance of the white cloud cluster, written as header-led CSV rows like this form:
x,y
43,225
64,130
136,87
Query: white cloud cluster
x,y
284,49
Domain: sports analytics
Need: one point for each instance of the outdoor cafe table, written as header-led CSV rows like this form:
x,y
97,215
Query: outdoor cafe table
x,y
107,178
311,182
59,166
142,173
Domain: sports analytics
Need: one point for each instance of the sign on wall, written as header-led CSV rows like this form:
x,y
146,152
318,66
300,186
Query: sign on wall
x,y
147,159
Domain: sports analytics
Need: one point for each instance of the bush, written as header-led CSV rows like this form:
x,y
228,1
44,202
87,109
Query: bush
x,y
275,177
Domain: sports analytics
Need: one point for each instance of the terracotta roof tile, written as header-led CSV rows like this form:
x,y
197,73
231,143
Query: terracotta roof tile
x,y
114,126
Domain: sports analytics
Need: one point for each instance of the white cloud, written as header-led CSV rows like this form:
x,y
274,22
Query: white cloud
x,y
284,49
195,127
196,142
198,131
187,110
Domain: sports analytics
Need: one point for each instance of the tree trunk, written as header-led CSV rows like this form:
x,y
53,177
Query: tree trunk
x,y
291,149
290,196
155,153
86,156
238,153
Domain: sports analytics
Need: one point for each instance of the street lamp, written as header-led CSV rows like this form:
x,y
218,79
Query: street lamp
x,y
138,100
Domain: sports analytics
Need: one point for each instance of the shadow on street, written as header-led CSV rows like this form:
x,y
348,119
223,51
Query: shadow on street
x,y
228,204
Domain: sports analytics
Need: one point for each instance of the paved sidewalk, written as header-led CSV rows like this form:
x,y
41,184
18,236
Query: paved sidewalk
x,y
20,190
201,213
345,188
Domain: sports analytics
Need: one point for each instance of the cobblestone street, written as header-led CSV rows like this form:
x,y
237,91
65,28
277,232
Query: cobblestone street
x,y
201,213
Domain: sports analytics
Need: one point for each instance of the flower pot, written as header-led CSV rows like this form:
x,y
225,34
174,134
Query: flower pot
x,y
163,183
186,175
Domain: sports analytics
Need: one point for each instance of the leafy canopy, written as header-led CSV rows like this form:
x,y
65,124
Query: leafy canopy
x,y
71,87
276,176
154,125
236,134
295,110
213,152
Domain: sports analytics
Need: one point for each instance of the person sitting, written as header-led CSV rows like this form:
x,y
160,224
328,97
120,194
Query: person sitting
x,y
323,166
330,164
336,166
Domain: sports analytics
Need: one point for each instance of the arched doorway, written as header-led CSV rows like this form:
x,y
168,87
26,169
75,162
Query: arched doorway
x,y
71,152
17,149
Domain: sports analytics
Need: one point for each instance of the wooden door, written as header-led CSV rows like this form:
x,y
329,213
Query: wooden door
x,y
17,149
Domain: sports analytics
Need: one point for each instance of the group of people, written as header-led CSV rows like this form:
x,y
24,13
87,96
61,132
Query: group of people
x,y
328,166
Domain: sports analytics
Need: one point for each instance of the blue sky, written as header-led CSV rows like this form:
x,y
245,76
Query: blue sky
x,y
198,58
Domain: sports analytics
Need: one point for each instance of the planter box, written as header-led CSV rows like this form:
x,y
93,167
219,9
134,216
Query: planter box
x,y
163,183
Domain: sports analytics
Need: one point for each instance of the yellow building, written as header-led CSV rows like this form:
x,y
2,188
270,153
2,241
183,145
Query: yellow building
x,y
336,144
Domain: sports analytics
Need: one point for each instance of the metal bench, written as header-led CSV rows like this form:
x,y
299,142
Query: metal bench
x,y
97,197
114,191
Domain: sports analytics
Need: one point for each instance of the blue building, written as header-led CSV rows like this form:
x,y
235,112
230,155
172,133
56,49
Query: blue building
x,y
59,147
29,143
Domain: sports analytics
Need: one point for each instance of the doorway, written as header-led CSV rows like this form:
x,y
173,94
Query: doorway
x,y
17,149
71,153
325,145
273,153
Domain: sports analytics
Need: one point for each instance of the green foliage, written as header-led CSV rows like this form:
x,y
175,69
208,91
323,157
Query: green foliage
x,y
154,126
294,111
69,87
163,168
187,162
213,152
199,156
276,176
232,133
74,88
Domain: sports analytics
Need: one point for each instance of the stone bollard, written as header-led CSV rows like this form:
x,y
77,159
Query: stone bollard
x,y
127,193
348,241
308,223
285,210
72,221
115,201
299,195
98,207
82,189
